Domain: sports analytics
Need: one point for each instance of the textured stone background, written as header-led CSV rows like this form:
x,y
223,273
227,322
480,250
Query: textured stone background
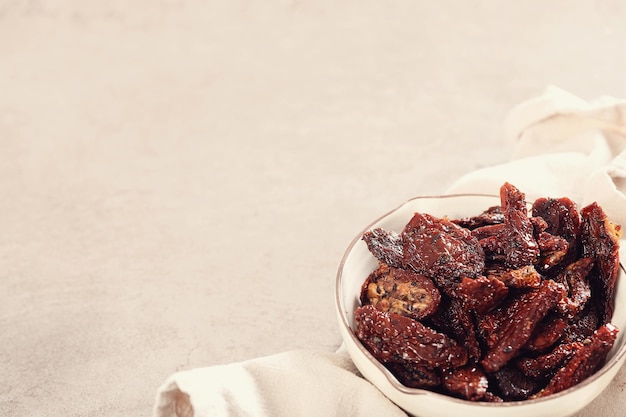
x,y
179,179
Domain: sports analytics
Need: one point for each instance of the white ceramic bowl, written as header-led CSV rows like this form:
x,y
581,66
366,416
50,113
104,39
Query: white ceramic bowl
x,y
357,264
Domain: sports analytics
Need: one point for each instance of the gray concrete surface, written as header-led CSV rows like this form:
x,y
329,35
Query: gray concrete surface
x,y
179,179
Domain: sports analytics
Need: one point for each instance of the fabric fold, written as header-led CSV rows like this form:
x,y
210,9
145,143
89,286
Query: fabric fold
x,y
563,146
295,383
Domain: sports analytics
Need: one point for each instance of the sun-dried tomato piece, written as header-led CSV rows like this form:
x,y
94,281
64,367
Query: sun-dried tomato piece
x,y
400,291
522,249
547,333
516,321
492,239
386,246
585,361
547,364
512,242
513,385
394,338
563,219
583,324
552,249
414,375
524,277
481,294
453,319
539,225
441,249
430,246
490,325
600,240
574,277
493,215
469,383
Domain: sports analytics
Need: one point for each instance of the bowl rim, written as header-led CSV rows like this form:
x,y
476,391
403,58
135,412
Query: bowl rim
x,y
339,303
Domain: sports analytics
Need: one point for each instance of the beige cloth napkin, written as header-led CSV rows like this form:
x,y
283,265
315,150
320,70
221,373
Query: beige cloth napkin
x,y
290,384
564,146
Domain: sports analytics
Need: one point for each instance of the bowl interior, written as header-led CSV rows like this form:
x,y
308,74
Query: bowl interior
x,y
358,263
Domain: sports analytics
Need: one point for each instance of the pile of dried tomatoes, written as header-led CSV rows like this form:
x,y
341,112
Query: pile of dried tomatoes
x,y
504,306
